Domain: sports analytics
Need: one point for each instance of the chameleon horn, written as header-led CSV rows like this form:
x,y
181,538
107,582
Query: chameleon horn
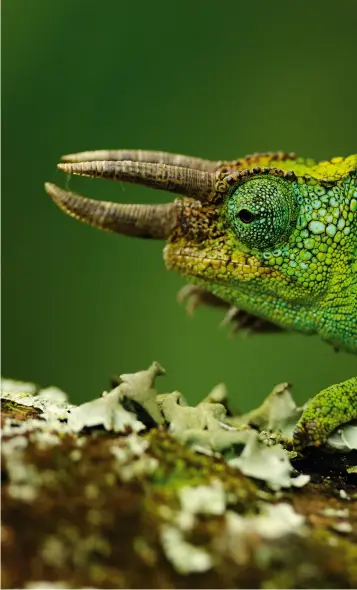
x,y
176,179
145,221
152,157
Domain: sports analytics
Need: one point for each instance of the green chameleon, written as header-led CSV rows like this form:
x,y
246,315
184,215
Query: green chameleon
x,y
270,236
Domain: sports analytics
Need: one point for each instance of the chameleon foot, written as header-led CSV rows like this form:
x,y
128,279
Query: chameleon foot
x,y
235,317
329,409
195,296
242,320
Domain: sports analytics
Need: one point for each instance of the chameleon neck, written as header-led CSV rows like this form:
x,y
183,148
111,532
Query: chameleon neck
x,y
334,320
338,313
288,315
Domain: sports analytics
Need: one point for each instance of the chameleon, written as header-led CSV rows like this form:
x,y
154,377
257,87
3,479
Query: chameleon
x,y
270,236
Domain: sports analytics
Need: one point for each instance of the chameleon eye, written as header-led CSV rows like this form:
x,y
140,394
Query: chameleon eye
x,y
262,211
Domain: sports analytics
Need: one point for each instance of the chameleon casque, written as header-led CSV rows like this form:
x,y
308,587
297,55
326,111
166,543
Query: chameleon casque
x,y
271,236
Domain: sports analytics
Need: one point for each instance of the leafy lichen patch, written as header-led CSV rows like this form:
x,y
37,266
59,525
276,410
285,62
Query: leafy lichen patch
x,y
208,499
131,459
185,557
277,412
50,400
344,439
273,522
13,387
105,411
270,464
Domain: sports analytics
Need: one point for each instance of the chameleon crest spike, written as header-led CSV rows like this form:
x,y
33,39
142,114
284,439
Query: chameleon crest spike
x,y
176,179
152,157
146,221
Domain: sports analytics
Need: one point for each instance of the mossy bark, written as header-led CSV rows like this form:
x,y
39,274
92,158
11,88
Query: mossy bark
x,y
89,526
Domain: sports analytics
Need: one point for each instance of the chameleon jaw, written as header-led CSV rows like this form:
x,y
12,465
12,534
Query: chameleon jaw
x,y
208,267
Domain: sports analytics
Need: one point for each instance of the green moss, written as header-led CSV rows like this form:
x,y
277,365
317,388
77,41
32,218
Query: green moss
x,y
17,411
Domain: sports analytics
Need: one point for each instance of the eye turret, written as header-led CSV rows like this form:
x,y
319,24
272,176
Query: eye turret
x,y
263,211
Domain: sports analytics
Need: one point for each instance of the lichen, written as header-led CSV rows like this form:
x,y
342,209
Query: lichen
x,y
185,557
93,500
105,411
270,464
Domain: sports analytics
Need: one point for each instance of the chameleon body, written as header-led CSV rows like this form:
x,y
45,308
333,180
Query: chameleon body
x,y
273,235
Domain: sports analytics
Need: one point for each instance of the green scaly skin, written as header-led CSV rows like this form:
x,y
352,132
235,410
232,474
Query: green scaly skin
x,y
278,239
275,236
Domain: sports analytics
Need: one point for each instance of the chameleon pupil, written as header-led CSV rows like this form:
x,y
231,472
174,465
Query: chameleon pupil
x,y
246,216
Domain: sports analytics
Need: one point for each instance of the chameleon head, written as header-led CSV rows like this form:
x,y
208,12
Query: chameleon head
x,y
265,232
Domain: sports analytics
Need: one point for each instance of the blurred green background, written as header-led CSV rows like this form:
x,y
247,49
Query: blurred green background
x,y
206,78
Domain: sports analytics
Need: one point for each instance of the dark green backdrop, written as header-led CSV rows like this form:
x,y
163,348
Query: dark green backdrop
x,y
207,78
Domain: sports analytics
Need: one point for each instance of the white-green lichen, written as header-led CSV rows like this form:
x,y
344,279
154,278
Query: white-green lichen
x,y
12,387
344,439
343,494
208,499
249,442
185,557
52,401
335,513
44,585
278,412
273,522
343,527
24,478
131,459
270,464
105,411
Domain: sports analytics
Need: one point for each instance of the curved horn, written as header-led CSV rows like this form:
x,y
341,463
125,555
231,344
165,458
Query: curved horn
x,y
184,181
152,157
146,221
